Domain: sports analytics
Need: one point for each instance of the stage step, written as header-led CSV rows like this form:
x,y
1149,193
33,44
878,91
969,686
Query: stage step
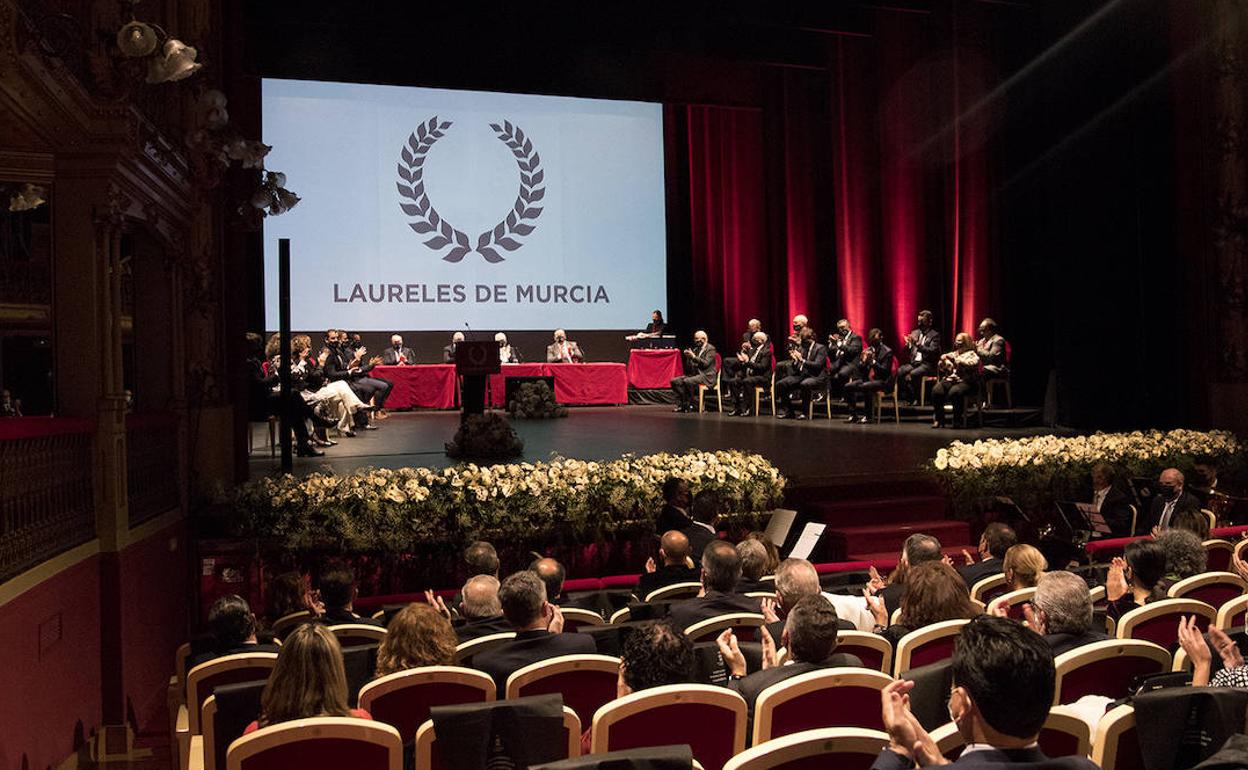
x,y
884,510
882,538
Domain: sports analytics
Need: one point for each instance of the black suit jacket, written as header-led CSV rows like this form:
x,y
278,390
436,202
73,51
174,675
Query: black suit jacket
x,y
530,647
668,574
475,628
1066,642
1015,759
1116,509
881,369
448,354
701,363
928,345
848,351
712,605
672,517
391,358
699,538
973,573
340,616
750,687
814,362
1186,502
759,362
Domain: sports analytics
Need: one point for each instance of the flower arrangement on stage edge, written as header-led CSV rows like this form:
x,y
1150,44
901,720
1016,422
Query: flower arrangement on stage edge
x,y
1039,470
384,510
485,437
536,401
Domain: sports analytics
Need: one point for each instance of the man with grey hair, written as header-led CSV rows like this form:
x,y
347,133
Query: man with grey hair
x,y
1171,499
753,556
750,369
699,363
480,610
564,350
1061,612
917,549
797,579
538,625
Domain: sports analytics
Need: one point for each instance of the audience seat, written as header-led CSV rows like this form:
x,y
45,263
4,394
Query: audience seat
x,y
834,697
1117,745
320,743
873,650
357,634
744,624
674,591
622,615
475,646
1212,588
927,645
989,588
1158,622
615,582
1065,734
403,699
228,669
586,682
1106,668
662,716
842,748
286,623
1233,614
704,390
1015,601
426,752
575,617
225,716
1219,553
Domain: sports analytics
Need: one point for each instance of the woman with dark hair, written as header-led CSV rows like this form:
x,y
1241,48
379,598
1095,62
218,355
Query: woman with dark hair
x,y
308,681
1136,580
934,593
288,593
417,636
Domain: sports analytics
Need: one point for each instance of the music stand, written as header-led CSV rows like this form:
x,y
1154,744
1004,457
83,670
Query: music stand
x,y
1143,490
1090,521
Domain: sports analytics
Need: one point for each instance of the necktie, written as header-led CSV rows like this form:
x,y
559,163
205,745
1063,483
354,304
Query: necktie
x,y
1166,510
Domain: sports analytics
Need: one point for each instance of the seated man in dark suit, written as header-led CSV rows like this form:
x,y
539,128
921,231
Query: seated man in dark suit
x,y
707,505
480,611
448,352
397,354
917,549
338,592
1003,682
539,630
553,575
808,374
809,635
1061,612
1171,499
233,628
480,558
996,540
674,551
721,571
753,564
1110,501
675,513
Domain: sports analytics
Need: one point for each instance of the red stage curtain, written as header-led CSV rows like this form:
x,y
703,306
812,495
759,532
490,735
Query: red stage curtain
x,y
727,218
800,167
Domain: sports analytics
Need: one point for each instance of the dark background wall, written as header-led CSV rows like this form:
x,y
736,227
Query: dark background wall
x,y
1033,161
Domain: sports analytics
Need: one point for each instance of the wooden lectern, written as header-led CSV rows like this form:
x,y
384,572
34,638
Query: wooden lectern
x,y
473,362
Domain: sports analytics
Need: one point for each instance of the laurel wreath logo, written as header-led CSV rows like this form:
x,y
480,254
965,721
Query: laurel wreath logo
x,y
506,234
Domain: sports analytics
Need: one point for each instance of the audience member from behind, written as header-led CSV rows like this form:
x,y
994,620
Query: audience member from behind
x,y
288,593
993,544
417,636
1003,682
1061,612
538,625
676,499
338,592
934,593
795,580
1195,522
308,681
810,636
481,611
1185,554
721,571
707,505
552,574
753,555
481,559
1023,565
1111,501
1135,578
233,629
773,553
1233,672
917,549
674,552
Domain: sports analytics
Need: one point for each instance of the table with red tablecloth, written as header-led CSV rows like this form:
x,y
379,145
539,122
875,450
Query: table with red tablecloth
x,y
423,386
497,386
597,383
650,369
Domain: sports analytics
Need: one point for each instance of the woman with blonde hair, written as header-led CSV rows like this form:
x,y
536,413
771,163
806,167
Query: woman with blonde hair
x,y
417,636
308,681
1023,566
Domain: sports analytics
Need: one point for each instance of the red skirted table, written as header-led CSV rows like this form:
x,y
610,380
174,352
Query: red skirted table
x,y
497,386
1102,551
651,369
596,383
423,386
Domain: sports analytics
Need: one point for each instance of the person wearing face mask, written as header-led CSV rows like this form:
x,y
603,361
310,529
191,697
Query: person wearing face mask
x,y
563,350
347,363
752,370
700,370
397,354
921,354
506,353
1170,500
873,374
785,368
808,373
448,352
959,370
844,353
732,365
1003,684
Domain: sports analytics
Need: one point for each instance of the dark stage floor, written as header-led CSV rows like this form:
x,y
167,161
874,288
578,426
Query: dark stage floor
x,y
808,452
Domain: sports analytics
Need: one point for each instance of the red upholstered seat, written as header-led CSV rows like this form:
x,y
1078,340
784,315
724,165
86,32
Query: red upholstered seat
x,y
1212,588
830,748
836,697
1219,555
1106,668
314,754
620,581
1057,743
1158,622
1117,744
403,699
875,652
663,716
229,669
322,743
586,682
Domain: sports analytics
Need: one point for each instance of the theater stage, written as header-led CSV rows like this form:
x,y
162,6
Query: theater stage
x,y
809,453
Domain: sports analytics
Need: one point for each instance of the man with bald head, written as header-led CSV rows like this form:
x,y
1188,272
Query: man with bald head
x,y
675,568
797,579
564,350
480,610
448,352
731,365
1171,499
699,370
